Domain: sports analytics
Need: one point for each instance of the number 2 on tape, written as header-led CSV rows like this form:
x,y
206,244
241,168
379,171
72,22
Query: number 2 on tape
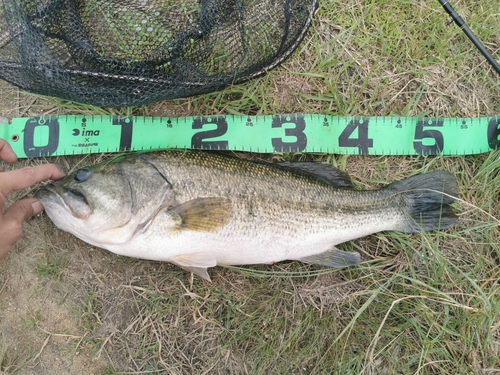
x,y
199,141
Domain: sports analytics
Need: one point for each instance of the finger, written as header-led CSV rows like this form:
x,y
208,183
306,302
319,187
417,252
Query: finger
x,y
11,225
22,178
21,211
6,152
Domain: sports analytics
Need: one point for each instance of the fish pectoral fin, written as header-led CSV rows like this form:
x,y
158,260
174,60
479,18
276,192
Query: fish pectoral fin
x,y
203,214
196,263
334,258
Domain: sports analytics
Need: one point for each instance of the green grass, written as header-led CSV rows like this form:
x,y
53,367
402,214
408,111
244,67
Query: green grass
x,y
12,360
418,304
51,267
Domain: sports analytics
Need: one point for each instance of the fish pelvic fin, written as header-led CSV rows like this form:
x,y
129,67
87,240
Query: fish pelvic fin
x,y
196,263
334,258
428,200
202,214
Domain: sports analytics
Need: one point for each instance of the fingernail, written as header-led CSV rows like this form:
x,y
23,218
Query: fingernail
x,y
37,207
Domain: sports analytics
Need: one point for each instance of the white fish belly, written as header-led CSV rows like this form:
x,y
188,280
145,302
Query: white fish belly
x,y
257,241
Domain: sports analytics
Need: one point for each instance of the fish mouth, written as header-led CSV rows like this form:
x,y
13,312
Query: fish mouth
x,y
78,195
46,193
72,200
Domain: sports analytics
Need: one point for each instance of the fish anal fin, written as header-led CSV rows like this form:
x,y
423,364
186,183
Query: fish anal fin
x,y
324,172
203,214
334,258
199,271
196,263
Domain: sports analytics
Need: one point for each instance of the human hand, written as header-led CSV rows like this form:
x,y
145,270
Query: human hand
x,y
12,218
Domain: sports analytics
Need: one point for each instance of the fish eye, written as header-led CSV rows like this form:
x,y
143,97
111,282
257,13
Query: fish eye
x,y
82,175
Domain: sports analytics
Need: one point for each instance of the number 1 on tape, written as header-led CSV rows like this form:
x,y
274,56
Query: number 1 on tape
x,y
74,135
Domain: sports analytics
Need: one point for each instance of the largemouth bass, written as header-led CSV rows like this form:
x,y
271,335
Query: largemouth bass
x,y
201,209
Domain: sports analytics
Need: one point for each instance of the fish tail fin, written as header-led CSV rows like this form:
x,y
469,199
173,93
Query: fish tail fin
x,y
428,200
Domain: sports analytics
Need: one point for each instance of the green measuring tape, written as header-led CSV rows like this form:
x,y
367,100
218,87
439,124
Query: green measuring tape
x,y
363,135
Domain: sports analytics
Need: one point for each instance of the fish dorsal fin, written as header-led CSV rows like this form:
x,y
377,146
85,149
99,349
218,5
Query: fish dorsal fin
x,y
334,258
196,263
202,214
324,172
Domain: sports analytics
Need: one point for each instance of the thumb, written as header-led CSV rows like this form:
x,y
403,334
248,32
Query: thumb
x,y
22,210
11,223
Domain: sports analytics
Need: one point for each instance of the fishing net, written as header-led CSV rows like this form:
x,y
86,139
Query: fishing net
x,y
131,52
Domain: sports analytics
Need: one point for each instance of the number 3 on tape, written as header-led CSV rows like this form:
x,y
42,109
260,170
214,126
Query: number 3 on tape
x,y
294,127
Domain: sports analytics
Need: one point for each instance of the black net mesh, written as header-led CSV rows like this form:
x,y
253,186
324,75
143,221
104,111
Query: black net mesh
x,y
132,52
